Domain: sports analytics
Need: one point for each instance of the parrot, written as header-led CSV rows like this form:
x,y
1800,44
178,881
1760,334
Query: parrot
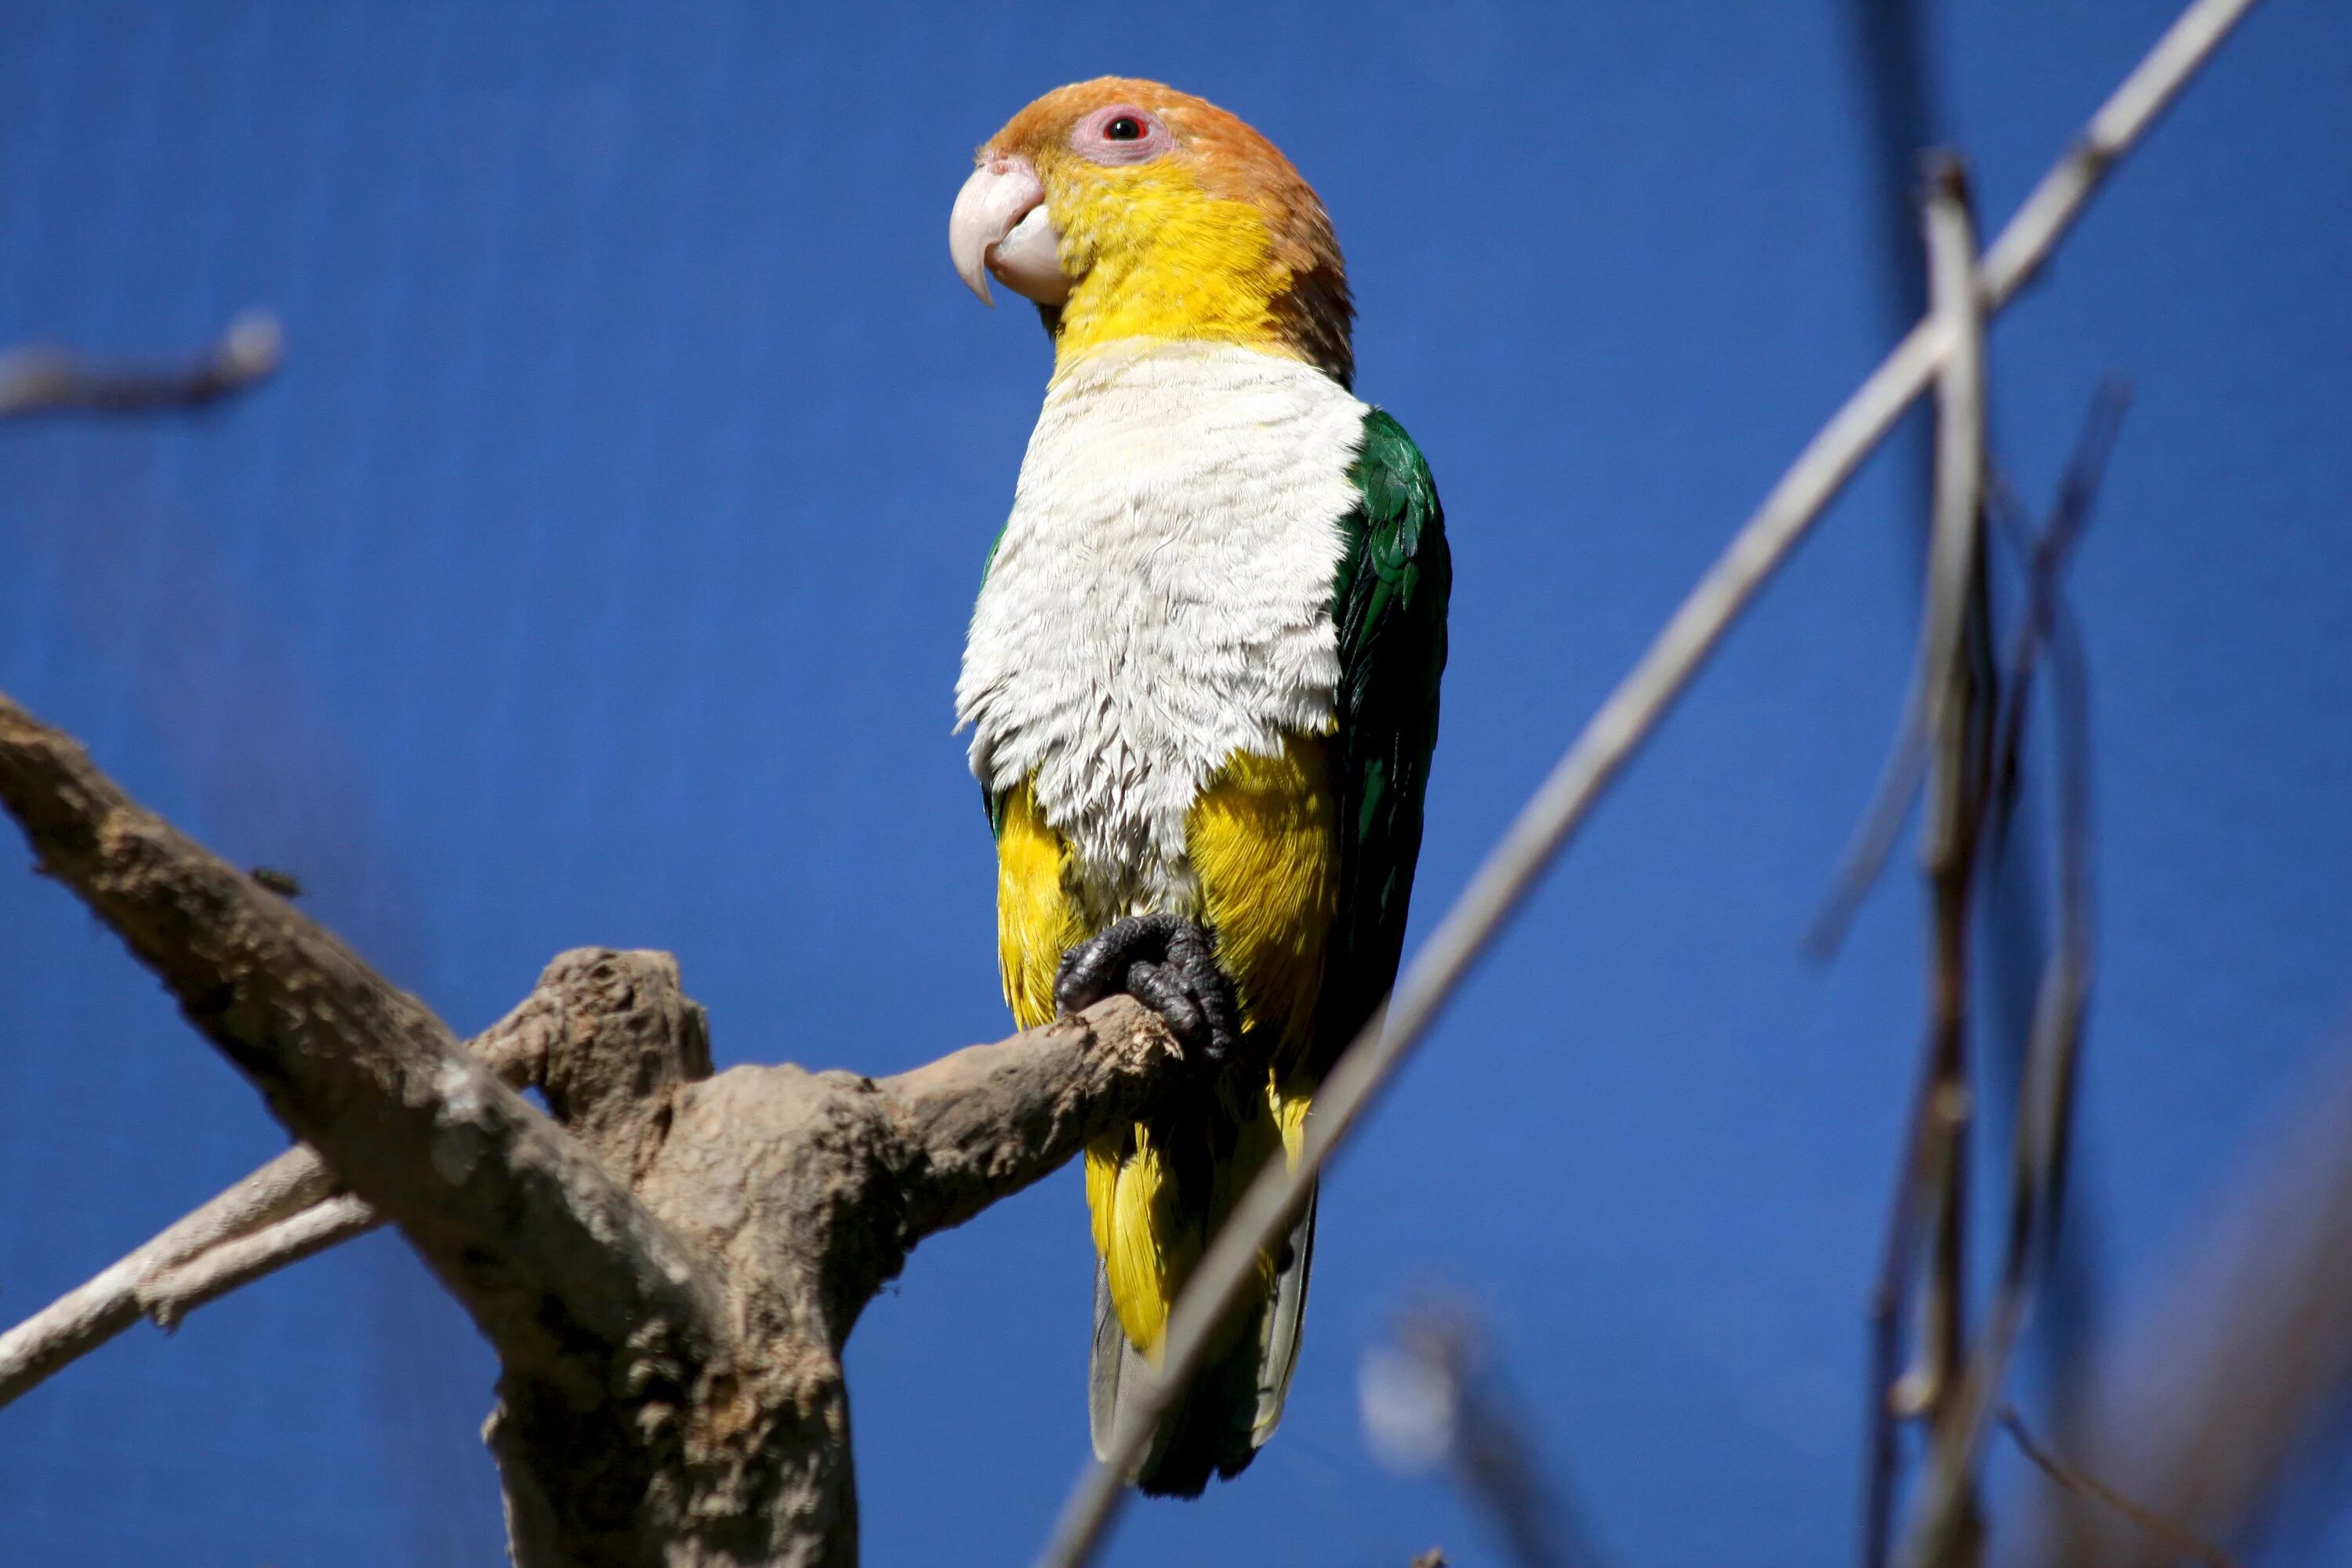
x,y
1202,681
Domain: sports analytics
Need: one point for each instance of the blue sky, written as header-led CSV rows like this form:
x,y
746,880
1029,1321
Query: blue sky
x,y
596,573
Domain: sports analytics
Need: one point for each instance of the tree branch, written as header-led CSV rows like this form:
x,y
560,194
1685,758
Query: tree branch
x,y
52,381
669,1266
2090,1487
2245,1358
171,1294
988,1121
86,1317
1948,1527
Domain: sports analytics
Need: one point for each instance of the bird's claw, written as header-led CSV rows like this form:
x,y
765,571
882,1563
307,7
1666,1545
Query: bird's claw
x,y
1165,963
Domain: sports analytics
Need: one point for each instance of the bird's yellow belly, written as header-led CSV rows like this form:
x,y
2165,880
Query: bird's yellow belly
x,y
1261,846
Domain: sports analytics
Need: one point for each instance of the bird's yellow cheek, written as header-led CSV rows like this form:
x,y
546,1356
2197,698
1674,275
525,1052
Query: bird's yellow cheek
x,y
1152,256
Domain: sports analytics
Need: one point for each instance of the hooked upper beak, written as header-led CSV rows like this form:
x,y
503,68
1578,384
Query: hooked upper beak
x,y
1000,225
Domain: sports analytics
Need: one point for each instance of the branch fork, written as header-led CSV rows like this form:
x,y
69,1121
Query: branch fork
x,y
668,1262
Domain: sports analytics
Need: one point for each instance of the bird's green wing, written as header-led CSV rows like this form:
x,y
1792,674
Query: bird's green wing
x,y
1390,605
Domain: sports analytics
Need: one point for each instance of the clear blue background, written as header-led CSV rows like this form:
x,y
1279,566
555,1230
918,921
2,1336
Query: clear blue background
x,y
596,573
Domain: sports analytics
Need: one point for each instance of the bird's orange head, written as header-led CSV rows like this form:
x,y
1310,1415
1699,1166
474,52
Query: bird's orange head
x,y
1129,210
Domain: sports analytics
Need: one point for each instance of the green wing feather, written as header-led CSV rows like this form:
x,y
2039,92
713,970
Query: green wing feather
x,y
1390,605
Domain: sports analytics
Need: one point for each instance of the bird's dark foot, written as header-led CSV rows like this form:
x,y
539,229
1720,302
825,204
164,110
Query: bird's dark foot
x,y
1167,965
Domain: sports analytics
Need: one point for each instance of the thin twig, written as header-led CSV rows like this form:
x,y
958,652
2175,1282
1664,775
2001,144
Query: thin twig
x,y
1933,1181
264,1223
56,381
2082,1486
2243,1363
1608,741
88,1316
1958,697
1874,836
2046,556
2046,1082
172,1294
1894,68
2055,204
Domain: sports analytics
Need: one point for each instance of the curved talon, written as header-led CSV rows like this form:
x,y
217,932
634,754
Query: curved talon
x,y
1158,987
1166,963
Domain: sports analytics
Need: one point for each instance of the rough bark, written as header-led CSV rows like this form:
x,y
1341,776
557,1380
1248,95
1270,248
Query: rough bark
x,y
667,1263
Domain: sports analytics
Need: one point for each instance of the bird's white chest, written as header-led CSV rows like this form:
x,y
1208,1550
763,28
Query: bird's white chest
x,y
1160,599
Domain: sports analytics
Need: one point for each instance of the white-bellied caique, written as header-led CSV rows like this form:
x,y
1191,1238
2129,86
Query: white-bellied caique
x,y
1202,679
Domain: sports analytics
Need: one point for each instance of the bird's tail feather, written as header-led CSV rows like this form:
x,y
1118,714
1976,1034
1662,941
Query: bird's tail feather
x,y
1235,1401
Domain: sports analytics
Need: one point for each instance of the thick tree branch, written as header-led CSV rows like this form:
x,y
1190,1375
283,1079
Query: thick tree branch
x,y
983,1123
669,1265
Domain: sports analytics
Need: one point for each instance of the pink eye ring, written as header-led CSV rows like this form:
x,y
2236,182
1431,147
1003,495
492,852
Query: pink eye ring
x,y
1122,133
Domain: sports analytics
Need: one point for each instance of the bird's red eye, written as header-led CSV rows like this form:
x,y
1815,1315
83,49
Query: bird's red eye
x,y
1122,133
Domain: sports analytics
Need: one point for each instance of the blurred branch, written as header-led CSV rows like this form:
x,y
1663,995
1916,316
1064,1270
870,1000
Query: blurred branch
x,y
1893,64
1955,692
1873,837
1979,783
1567,794
2246,1357
2083,1486
52,381
1906,764
1431,1397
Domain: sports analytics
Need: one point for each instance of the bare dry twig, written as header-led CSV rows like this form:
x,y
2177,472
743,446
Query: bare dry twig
x,y
1432,1398
2245,1357
1567,795
287,1210
1979,783
1956,698
56,381
85,1318
173,1293
2083,1486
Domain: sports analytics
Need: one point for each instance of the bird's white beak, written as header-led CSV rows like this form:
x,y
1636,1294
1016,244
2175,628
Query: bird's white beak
x,y
1000,225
